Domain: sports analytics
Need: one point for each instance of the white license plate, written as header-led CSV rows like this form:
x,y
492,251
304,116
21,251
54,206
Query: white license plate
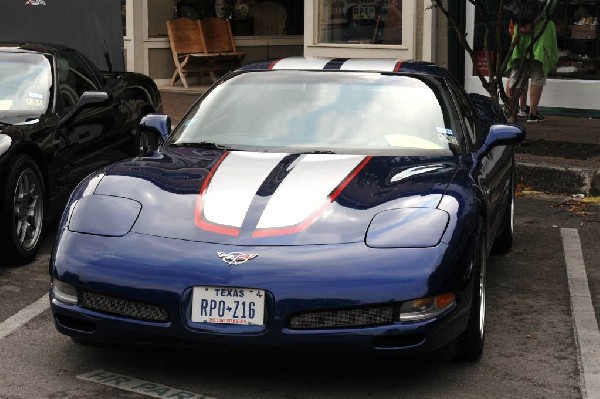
x,y
227,305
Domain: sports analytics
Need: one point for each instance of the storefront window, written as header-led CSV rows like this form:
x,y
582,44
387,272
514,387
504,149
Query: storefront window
x,y
577,34
360,21
250,17
578,43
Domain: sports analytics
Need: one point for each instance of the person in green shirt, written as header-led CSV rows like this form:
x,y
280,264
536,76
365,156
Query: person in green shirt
x,y
537,65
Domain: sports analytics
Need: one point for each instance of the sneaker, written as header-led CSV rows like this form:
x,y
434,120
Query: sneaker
x,y
523,113
535,118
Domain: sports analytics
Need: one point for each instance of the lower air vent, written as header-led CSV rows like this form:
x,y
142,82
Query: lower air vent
x,y
357,317
124,307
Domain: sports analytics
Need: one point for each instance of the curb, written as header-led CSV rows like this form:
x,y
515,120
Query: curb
x,y
559,180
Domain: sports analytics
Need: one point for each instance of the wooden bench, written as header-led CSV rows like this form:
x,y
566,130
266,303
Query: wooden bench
x,y
200,49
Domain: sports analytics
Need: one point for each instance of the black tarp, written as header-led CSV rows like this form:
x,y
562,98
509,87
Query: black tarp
x,y
90,26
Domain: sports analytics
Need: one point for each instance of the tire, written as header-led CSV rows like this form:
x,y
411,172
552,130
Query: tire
x,y
503,243
470,342
22,210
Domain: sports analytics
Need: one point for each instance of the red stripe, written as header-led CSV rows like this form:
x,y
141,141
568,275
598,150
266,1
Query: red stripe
x,y
272,64
199,219
315,215
398,66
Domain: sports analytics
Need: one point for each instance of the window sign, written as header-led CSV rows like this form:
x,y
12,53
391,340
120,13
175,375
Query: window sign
x,y
360,21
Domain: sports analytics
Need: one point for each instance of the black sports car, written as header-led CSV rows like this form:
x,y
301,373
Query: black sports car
x,y
60,119
307,203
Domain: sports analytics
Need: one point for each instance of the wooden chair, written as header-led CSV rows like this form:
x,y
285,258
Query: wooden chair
x,y
189,50
219,39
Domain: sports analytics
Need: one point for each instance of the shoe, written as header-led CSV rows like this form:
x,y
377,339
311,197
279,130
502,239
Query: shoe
x,y
523,112
535,118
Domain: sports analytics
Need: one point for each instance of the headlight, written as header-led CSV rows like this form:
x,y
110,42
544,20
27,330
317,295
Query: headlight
x,y
407,228
426,308
104,215
64,292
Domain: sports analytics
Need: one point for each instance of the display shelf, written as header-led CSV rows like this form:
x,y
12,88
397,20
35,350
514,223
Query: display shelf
x,y
580,41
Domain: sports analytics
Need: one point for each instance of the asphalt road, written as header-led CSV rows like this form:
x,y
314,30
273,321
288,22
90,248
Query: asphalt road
x,y
531,348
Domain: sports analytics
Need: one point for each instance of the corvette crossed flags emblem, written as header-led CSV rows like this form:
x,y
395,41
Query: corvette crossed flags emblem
x,y
236,258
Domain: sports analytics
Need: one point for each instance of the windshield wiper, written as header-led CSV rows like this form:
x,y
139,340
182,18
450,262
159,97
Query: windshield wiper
x,y
203,144
317,152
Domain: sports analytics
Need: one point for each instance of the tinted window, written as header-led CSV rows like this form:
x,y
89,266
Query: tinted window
x,y
74,78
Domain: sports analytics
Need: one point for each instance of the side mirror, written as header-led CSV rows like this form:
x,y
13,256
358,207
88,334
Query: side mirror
x,y
87,98
92,97
155,130
501,134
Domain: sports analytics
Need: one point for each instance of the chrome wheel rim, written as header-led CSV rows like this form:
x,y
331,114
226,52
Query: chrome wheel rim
x,y
482,289
28,209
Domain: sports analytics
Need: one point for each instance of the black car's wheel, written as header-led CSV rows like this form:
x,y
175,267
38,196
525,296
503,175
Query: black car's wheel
x,y
470,342
504,241
22,210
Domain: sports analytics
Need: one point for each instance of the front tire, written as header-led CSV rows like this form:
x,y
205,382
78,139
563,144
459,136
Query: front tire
x,y
22,209
503,243
470,342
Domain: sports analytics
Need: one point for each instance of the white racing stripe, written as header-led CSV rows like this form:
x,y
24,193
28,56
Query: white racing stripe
x,y
23,316
234,185
306,188
138,386
368,64
302,63
585,323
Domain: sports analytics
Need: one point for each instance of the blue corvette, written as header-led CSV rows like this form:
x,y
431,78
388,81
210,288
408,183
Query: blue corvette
x,y
305,203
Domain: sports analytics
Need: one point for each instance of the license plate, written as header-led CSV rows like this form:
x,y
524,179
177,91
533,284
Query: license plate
x,y
227,305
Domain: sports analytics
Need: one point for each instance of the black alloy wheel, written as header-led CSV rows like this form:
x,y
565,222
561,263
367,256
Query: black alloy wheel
x,y
22,210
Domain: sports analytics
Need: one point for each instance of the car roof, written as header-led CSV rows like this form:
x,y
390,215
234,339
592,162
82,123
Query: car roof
x,y
350,64
45,48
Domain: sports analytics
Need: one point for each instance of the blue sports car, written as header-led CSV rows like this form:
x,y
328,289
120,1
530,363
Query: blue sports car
x,y
304,203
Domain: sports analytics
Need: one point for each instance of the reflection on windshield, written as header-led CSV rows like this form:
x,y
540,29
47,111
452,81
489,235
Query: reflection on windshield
x,y
25,81
312,110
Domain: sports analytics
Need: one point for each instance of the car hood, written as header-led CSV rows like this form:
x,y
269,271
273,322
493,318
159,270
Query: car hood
x,y
257,198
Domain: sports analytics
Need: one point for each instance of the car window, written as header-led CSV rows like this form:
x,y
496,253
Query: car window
x,y
25,81
74,78
468,116
316,110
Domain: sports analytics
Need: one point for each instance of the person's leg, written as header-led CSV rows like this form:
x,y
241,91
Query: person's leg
x,y
518,86
535,94
523,98
538,80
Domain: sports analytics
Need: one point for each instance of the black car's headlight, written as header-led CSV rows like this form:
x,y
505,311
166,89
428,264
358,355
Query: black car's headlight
x,y
407,228
104,215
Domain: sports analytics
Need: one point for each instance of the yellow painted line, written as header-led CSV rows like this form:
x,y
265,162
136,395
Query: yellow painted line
x,y
138,386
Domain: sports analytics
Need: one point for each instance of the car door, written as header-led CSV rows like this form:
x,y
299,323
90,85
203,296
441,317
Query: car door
x,y
85,131
494,174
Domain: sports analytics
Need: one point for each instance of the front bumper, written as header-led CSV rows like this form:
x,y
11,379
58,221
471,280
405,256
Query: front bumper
x,y
165,276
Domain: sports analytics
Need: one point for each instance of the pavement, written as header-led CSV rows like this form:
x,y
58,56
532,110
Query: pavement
x,y
560,155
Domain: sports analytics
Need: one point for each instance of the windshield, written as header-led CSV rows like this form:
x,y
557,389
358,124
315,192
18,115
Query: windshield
x,y
25,81
315,110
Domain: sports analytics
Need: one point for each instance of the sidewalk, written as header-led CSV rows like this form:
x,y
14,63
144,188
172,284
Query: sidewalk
x,y
561,155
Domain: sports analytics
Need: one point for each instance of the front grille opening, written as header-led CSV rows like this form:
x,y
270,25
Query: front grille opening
x,y
344,318
123,307
75,324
